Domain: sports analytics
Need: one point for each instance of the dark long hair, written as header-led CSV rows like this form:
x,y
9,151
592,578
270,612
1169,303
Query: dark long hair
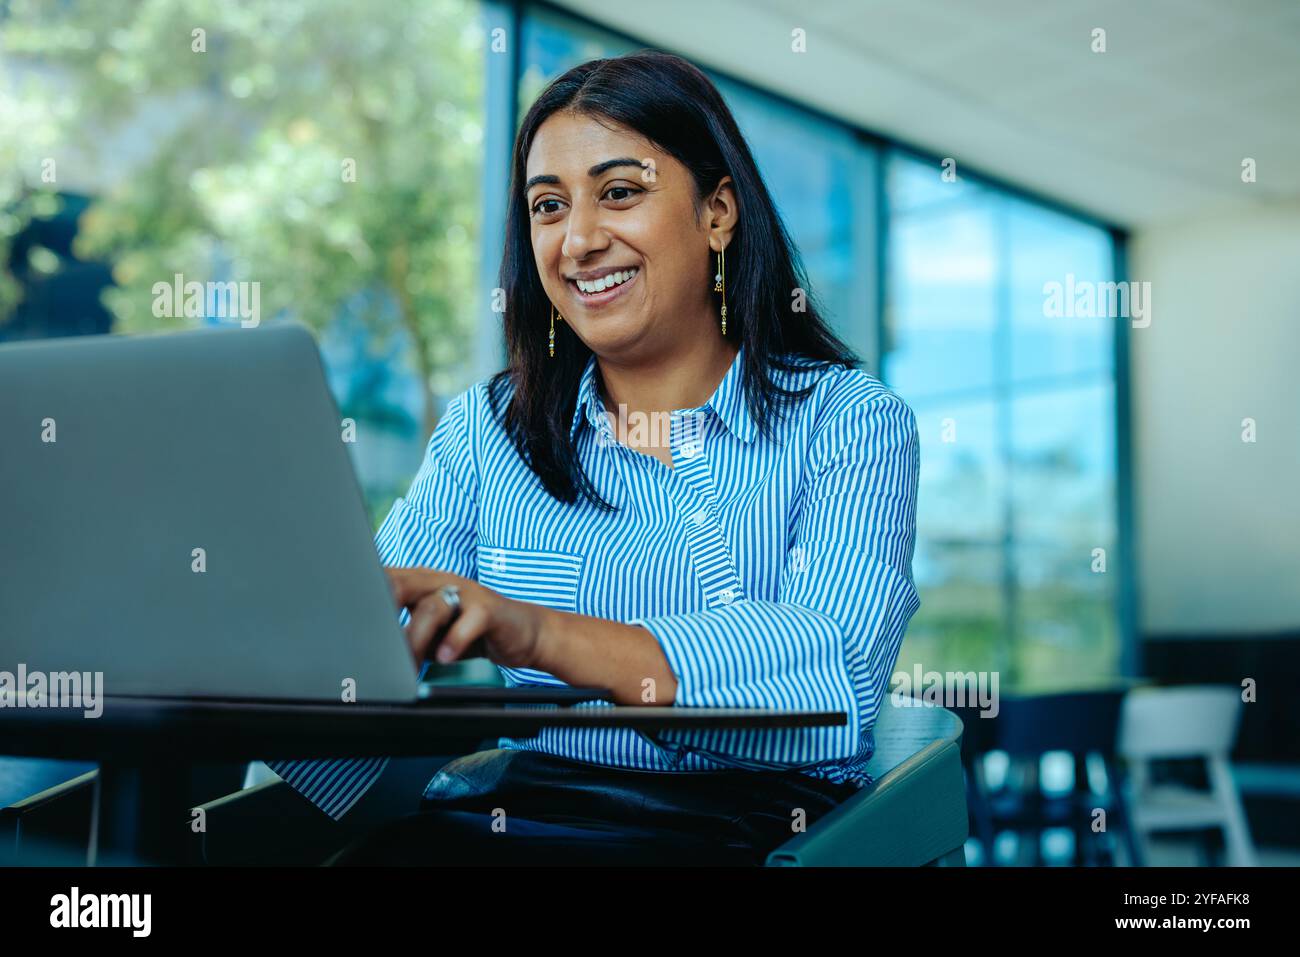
x,y
678,109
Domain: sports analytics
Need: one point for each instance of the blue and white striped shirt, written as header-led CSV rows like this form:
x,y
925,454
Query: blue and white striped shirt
x,y
773,573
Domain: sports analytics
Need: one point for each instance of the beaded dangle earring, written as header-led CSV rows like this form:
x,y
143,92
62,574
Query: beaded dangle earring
x,y
551,342
720,285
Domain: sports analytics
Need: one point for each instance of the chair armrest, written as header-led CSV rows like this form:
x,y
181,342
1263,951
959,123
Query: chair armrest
x,y
56,819
914,815
269,823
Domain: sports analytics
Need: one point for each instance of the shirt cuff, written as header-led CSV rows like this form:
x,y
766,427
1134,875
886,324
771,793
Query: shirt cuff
x,y
721,659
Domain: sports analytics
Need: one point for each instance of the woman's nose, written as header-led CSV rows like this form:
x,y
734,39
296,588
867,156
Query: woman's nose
x,y
584,234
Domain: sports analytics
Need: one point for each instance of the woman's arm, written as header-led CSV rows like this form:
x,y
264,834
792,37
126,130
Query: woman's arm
x,y
578,649
597,653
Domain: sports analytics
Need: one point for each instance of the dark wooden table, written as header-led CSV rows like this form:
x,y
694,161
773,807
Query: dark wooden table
x,y
146,748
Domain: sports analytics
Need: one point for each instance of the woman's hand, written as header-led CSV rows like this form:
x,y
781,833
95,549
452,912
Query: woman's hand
x,y
578,649
490,625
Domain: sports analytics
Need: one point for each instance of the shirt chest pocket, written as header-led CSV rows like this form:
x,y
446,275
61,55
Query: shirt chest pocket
x,y
543,577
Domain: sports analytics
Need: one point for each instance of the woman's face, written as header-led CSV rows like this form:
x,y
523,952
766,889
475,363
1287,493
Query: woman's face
x,y
611,203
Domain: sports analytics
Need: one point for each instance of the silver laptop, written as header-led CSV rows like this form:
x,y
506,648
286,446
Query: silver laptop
x,y
179,512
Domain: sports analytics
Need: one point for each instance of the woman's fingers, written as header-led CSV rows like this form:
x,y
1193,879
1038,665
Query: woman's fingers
x,y
429,617
409,585
469,626
436,631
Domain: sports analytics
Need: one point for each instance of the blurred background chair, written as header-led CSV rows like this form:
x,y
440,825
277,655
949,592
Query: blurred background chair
x,y
1198,723
267,823
44,810
979,738
23,777
1029,733
272,824
49,811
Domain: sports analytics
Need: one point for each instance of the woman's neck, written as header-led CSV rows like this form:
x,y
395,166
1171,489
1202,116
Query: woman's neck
x,y
684,379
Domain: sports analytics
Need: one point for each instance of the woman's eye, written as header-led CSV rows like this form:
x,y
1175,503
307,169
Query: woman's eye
x,y
540,208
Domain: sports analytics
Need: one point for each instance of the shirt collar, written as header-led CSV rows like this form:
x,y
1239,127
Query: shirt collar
x,y
727,402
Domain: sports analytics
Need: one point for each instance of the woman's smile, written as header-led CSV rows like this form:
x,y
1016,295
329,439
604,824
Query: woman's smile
x,y
609,286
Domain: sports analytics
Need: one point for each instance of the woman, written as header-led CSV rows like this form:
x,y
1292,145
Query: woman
x,y
753,551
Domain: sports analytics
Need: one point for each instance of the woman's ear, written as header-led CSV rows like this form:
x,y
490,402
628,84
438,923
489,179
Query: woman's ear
x,y
721,214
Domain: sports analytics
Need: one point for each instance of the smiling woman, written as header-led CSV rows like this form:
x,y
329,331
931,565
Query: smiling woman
x,y
628,218
756,555
635,165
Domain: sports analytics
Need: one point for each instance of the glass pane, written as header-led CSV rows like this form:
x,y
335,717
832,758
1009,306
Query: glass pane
x,y
961,624
1054,263
1066,626
916,184
958,564
962,493
942,305
1063,471
553,43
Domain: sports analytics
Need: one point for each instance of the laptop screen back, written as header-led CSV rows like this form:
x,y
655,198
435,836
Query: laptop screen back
x,y
180,513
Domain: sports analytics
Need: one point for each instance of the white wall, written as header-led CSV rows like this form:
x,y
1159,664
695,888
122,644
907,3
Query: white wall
x,y
1218,519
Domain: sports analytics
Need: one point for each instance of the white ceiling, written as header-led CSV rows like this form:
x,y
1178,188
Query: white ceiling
x,y
1153,130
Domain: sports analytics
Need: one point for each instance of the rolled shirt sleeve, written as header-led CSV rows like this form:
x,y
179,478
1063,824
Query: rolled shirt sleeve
x,y
830,639
432,526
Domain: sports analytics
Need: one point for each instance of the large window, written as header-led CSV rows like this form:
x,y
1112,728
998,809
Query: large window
x,y
1017,520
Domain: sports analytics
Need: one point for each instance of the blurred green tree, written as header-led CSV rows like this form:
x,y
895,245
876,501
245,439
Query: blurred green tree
x,y
321,148
31,128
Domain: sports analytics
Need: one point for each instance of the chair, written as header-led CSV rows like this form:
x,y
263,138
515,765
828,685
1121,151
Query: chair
x,y
267,823
915,812
23,819
272,824
55,825
978,738
54,820
22,777
1082,723
1195,721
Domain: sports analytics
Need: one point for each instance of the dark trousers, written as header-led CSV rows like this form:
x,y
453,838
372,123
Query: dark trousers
x,y
507,807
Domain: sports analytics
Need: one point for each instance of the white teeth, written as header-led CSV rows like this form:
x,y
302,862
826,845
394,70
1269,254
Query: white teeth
x,y
605,282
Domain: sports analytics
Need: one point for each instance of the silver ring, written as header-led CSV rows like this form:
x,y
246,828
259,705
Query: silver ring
x,y
451,595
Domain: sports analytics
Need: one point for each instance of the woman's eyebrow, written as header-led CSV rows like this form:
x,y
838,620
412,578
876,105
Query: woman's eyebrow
x,y
596,170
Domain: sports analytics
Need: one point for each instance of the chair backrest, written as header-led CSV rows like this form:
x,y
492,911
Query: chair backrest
x,y
1079,721
1184,722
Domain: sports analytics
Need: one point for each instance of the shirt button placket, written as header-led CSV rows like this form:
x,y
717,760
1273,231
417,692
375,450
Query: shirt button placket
x,y
712,558
693,485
